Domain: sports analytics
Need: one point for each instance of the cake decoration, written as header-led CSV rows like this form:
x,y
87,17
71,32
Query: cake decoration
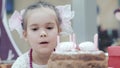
x,y
87,46
65,46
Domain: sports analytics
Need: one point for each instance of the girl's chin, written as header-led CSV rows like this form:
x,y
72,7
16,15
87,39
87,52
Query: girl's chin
x,y
46,51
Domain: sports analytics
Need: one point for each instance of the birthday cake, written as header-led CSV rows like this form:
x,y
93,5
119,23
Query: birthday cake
x,y
85,55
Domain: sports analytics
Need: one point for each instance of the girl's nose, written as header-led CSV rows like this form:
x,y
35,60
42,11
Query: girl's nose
x,y
43,33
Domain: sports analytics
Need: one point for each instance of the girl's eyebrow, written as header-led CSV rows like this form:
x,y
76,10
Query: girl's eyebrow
x,y
49,23
33,25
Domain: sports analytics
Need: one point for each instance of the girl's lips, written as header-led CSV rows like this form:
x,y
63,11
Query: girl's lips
x,y
43,42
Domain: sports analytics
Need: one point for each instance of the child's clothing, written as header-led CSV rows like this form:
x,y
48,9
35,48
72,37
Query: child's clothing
x,y
23,62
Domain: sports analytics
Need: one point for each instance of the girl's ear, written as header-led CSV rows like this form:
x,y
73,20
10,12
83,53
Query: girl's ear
x,y
25,35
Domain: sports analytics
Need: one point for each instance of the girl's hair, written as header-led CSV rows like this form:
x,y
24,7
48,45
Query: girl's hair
x,y
39,4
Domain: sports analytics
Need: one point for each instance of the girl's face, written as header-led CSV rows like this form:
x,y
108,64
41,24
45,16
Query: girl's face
x,y
42,30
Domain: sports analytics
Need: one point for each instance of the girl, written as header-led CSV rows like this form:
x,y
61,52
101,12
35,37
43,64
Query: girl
x,y
41,26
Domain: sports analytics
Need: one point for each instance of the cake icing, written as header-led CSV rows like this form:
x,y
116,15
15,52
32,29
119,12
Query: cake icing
x,y
70,48
87,46
65,47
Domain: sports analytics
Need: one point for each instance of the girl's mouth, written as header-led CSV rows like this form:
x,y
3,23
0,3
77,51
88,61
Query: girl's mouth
x,y
44,43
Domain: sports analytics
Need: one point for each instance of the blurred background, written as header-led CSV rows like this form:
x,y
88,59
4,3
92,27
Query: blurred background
x,y
91,17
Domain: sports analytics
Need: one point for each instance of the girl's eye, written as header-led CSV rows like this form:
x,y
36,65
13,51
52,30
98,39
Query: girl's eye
x,y
49,28
34,29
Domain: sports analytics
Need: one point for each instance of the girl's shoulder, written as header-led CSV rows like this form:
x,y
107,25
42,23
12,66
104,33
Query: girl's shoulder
x,y
22,61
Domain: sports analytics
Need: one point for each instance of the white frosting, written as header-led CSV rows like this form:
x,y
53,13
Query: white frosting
x,y
79,52
69,48
87,46
65,46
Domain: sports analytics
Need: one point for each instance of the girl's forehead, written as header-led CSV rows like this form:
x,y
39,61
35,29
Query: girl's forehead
x,y
41,10
41,15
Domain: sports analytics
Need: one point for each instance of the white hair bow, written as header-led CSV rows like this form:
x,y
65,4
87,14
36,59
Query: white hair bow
x,y
15,22
66,15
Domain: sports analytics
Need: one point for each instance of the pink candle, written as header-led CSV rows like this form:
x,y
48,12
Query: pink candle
x,y
96,40
73,39
70,38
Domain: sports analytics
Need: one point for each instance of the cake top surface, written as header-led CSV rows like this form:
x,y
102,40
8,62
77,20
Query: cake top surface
x,y
79,52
